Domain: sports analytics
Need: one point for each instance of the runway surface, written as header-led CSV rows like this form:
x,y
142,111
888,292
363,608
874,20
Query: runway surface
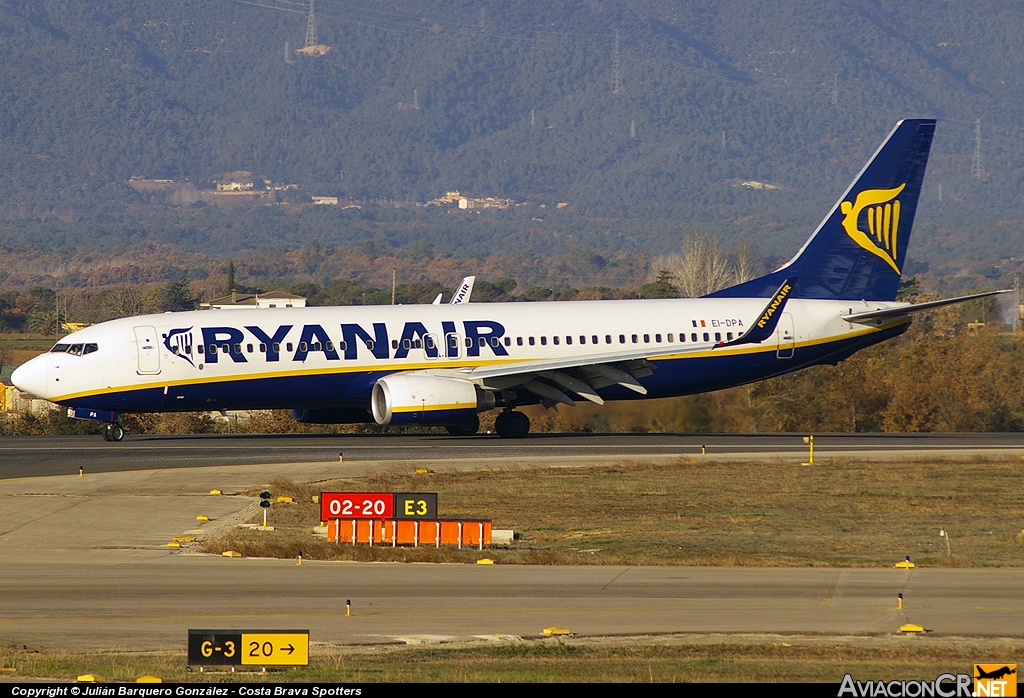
x,y
33,456
85,567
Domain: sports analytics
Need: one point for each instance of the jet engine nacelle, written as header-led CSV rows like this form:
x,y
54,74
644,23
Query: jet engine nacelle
x,y
410,398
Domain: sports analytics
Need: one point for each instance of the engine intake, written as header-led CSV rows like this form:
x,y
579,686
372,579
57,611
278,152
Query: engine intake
x,y
410,398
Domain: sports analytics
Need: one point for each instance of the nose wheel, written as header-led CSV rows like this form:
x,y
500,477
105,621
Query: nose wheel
x,y
512,425
113,432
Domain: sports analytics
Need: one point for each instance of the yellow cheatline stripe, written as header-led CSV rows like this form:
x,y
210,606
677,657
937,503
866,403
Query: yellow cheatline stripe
x,y
202,380
766,349
439,363
436,408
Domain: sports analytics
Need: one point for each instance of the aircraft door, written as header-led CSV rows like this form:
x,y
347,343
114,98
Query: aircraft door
x,y
148,350
786,336
451,345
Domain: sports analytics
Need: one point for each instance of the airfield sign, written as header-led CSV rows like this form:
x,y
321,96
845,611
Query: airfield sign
x,y
248,647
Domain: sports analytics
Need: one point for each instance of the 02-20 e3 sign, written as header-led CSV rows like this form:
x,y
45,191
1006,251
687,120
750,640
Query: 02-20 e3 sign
x,y
356,505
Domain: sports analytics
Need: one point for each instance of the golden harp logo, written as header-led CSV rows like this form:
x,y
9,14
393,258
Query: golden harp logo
x,y
882,211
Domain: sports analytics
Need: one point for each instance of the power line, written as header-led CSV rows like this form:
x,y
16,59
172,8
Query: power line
x,y
311,27
976,169
616,73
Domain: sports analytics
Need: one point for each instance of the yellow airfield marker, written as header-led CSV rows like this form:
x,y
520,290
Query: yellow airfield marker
x,y
905,564
184,539
911,628
174,544
555,630
149,678
202,517
91,678
285,498
425,471
485,561
231,553
216,492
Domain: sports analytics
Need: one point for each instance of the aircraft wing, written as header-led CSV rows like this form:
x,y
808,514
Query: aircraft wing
x,y
584,374
907,310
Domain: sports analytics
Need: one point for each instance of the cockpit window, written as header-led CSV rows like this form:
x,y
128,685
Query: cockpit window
x,y
74,349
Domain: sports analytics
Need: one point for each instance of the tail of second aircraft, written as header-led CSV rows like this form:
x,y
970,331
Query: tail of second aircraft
x,y
858,251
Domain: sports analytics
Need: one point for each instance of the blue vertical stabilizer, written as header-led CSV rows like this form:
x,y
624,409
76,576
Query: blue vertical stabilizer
x,y
858,251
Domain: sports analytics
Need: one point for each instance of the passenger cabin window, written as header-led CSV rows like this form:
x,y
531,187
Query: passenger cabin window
x,y
706,337
508,341
728,336
718,336
555,339
669,338
568,339
634,339
607,339
531,341
519,341
593,340
288,346
622,339
263,348
693,336
657,338
647,339
543,341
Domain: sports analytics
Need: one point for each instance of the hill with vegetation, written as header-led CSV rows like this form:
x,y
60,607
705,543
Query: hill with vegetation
x,y
646,118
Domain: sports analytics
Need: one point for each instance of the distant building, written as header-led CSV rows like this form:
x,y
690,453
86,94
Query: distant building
x,y
325,200
234,186
273,299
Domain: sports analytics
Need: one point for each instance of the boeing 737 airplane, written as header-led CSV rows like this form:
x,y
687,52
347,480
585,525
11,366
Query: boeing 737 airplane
x,y
444,364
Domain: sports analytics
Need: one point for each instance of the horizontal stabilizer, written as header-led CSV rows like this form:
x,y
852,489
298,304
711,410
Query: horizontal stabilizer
x,y
904,311
764,326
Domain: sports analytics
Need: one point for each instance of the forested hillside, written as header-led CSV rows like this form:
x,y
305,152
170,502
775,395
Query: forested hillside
x,y
509,98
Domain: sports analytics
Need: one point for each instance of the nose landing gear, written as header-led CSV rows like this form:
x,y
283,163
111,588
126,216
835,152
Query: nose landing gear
x,y
113,432
512,425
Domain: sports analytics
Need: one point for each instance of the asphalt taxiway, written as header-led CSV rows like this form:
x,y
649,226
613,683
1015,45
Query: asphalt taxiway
x,y
33,456
85,566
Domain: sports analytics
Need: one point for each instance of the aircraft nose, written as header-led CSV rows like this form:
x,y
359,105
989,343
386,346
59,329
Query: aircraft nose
x,y
32,376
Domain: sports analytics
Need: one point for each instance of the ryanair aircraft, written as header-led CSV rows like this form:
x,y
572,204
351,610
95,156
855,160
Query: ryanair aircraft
x,y
444,364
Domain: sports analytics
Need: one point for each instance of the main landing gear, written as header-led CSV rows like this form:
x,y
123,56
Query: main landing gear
x,y
512,425
113,432
467,428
